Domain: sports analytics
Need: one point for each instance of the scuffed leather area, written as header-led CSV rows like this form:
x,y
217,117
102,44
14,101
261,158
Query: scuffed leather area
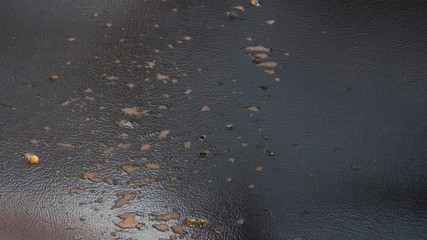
x,y
311,126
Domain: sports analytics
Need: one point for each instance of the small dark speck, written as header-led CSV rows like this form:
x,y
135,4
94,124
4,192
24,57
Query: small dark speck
x,y
203,155
232,14
201,138
263,87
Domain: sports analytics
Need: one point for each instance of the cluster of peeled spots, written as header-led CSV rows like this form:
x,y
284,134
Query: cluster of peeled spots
x,y
162,224
260,58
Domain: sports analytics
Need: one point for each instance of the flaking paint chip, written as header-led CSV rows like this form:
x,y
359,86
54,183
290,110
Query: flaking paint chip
x,y
65,145
128,169
150,64
145,147
128,220
205,108
187,145
178,229
167,217
152,166
133,111
269,71
254,109
269,64
162,77
258,48
162,107
91,176
270,22
240,221
124,198
75,191
164,133
161,227
239,7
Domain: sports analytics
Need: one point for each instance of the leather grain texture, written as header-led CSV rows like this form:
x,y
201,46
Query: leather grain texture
x,y
160,107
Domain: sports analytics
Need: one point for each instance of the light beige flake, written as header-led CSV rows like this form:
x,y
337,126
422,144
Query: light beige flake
x,y
270,22
162,107
145,147
71,39
239,7
270,64
179,229
259,56
124,199
167,217
205,108
123,145
164,133
240,221
112,78
91,176
65,145
258,48
187,145
128,220
128,169
75,191
133,111
187,38
152,166
161,227
162,77
88,90
269,71
254,108
150,64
